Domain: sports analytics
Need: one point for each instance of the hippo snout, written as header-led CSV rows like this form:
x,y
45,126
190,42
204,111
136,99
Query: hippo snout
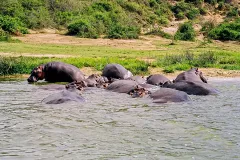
x,y
32,79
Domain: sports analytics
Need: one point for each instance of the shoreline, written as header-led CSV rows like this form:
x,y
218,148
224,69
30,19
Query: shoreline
x,y
209,73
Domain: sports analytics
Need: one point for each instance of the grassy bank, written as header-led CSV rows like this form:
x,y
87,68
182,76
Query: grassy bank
x,y
169,62
24,65
139,56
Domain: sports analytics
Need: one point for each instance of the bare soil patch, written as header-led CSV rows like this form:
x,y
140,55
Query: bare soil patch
x,y
52,38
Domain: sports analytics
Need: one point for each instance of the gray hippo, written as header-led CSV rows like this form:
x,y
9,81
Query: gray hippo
x,y
93,80
164,95
116,71
122,86
56,72
127,86
192,75
157,79
194,88
67,95
138,79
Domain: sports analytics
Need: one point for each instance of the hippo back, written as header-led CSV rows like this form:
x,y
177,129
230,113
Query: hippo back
x,y
157,79
192,75
63,97
116,71
164,95
194,88
122,86
62,72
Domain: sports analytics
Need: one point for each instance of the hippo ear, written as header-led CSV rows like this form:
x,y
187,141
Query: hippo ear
x,y
196,69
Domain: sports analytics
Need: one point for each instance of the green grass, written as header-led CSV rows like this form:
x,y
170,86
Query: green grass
x,y
180,56
24,65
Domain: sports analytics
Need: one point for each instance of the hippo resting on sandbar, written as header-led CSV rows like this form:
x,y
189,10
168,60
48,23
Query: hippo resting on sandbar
x,y
116,71
165,95
56,72
192,75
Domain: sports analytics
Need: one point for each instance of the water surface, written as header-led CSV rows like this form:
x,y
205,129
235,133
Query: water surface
x,y
114,126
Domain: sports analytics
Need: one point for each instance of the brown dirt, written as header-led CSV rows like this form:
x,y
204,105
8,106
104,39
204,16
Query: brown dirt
x,y
52,38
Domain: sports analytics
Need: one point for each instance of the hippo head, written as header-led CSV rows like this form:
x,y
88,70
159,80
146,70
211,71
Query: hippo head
x,y
79,85
138,91
37,74
199,73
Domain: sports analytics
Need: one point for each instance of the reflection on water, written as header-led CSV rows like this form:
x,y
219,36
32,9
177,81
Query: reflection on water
x,y
114,126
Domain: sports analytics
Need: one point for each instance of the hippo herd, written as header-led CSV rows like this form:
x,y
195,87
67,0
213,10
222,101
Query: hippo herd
x,y
116,78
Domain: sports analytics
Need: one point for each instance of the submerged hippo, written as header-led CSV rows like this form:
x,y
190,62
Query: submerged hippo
x,y
127,86
164,95
122,86
116,71
157,79
56,72
67,95
192,75
194,88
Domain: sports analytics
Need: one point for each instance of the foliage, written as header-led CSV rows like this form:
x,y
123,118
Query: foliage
x,y
12,25
82,28
159,32
118,31
100,16
226,31
185,32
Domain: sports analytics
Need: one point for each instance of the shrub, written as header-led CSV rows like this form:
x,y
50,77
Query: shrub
x,y
119,31
12,25
185,32
82,28
226,31
193,13
233,12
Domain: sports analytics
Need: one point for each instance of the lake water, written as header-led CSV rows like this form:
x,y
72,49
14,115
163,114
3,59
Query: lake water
x,y
114,126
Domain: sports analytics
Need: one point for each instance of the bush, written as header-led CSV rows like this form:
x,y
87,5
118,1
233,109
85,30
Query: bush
x,y
233,12
193,13
226,31
82,28
185,32
119,31
12,25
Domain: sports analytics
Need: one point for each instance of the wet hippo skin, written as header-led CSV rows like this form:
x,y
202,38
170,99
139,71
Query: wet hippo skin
x,y
56,72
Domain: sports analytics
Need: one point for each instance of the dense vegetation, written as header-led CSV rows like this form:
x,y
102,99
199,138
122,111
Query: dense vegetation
x,y
111,18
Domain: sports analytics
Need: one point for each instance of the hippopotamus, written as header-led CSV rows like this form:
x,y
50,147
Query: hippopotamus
x,y
122,86
116,71
56,72
127,86
192,75
138,79
164,95
67,95
194,88
92,80
157,79
96,80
